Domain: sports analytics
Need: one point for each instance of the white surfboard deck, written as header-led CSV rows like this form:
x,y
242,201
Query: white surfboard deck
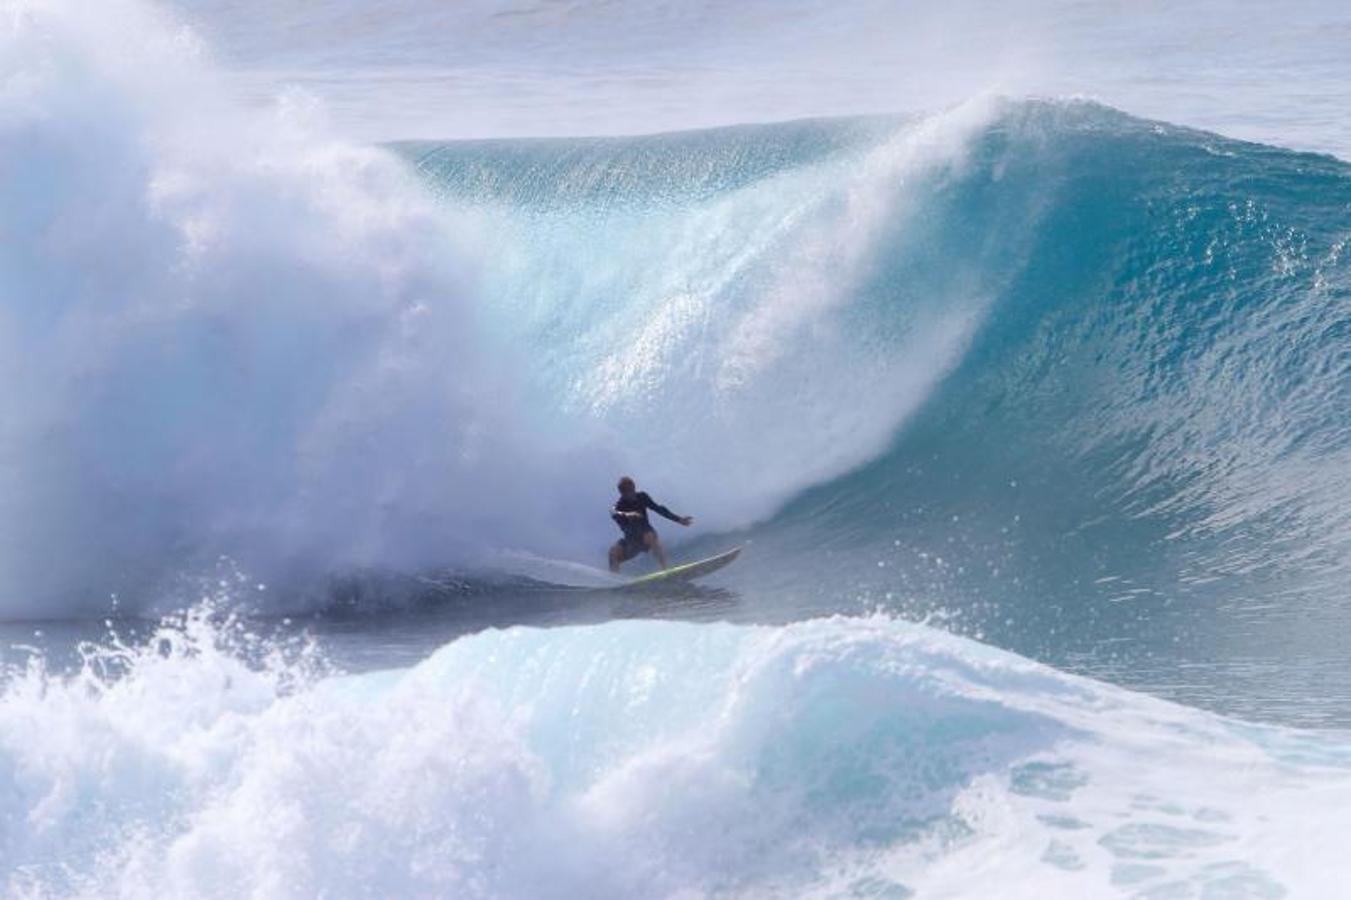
x,y
553,574
681,573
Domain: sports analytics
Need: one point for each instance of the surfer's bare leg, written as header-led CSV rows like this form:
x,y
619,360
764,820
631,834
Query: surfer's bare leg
x,y
654,545
616,556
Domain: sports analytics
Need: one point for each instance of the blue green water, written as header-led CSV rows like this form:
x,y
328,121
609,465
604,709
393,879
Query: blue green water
x,y
1129,448
1033,416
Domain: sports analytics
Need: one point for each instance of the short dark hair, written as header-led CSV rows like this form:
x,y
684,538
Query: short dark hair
x,y
625,483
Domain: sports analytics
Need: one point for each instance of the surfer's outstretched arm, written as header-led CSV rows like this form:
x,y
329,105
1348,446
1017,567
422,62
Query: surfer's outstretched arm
x,y
666,513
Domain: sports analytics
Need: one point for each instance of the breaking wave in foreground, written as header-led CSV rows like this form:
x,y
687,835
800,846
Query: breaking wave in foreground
x,y
834,757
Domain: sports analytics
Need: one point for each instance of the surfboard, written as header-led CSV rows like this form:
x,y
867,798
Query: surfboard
x,y
592,579
682,573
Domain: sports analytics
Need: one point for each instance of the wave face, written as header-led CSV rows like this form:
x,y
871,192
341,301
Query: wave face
x,y
1020,352
1079,355
859,757
714,300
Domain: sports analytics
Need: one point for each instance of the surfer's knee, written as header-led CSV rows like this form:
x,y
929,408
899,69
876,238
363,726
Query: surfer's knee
x,y
650,539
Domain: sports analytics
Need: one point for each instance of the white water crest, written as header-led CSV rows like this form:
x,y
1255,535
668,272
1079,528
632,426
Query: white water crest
x,y
865,757
739,344
236,334
226,331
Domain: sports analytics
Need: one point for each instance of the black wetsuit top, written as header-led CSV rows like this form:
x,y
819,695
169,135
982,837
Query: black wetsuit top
x,y
634,529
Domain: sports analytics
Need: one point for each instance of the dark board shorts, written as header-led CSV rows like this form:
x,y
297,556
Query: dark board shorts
x,y
630,545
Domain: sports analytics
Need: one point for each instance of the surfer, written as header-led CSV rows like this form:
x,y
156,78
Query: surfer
x,y
630,514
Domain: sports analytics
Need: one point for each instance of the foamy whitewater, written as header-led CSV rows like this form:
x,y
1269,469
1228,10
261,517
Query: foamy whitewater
x,y
1027,391
855,757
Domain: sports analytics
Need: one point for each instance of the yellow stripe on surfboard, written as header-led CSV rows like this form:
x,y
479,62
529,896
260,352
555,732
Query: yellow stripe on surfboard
x,y
685,571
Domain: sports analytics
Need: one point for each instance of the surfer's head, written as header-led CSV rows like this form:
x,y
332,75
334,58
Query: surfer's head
x,y
626,486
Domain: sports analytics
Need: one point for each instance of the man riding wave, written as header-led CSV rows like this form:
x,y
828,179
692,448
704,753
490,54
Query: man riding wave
x,y
630,514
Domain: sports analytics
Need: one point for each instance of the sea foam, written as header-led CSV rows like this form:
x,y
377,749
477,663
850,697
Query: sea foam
x,y
228,331
868,757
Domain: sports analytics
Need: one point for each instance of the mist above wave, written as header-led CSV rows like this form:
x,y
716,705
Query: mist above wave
x,y
227,332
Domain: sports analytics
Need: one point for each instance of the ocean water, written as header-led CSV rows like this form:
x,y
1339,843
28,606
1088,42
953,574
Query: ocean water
x,y
1015,349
